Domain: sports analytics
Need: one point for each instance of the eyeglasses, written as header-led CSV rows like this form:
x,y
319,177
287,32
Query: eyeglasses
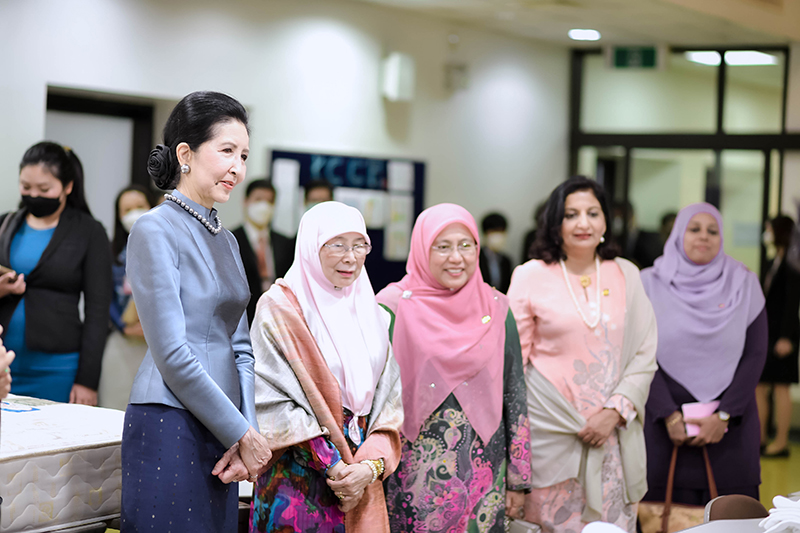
x,y
339,250
464,248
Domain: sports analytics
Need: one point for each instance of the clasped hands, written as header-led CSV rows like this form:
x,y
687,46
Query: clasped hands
x,y
348,482
599,427
245,460
712,429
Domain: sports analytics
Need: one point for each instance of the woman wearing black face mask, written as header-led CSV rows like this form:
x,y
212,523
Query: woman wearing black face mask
x,y
57,253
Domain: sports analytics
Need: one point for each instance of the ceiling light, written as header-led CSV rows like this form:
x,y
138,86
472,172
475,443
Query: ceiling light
x,y
736,58
749,57
704,58
584,35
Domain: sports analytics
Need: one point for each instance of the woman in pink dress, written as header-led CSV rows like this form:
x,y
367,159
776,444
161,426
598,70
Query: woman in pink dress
x,y
588,337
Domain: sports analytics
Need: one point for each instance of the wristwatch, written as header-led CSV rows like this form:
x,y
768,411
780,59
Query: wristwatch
x,y
724,416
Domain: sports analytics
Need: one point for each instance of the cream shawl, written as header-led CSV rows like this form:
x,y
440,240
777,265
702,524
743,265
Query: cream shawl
x,y
557,453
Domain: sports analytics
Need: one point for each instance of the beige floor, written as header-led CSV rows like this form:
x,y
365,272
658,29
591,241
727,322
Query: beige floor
x,y
780,476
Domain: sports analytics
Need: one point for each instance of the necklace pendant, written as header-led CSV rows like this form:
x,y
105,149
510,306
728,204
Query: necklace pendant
x,y
598,302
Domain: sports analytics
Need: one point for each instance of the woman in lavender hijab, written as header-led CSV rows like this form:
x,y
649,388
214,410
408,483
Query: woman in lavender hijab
x,y
712,344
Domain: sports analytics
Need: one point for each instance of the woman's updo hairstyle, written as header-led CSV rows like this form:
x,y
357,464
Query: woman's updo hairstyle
x,y
62,163
192,122
548,243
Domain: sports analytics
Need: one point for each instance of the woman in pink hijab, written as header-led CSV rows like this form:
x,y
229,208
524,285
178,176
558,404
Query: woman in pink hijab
x,y
327,386
465,460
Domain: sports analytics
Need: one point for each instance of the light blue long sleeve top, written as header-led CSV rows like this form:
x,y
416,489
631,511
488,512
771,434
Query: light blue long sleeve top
x,y
191,294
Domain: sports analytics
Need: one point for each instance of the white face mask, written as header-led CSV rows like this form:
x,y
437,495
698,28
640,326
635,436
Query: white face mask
x,y
260,213
130,217
496,240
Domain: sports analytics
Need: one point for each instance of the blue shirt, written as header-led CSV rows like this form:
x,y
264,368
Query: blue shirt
x,y
27,248
38,374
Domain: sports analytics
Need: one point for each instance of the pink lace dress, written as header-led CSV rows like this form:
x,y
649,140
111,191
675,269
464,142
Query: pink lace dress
x,y
585,367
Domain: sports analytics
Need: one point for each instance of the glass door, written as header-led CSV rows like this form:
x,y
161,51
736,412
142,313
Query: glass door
x,y
661,182
742,204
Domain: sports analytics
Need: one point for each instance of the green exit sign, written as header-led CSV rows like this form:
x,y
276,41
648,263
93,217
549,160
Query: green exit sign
x,y
635,57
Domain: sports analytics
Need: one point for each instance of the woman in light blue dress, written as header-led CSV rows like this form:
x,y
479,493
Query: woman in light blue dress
x,y
190,427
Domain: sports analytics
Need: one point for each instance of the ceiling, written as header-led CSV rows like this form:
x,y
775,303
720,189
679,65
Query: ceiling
x,y
618,21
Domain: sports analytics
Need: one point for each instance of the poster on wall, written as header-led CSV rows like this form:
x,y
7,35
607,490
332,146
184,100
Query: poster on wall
x,y
388,192
286,180
372,204
397,237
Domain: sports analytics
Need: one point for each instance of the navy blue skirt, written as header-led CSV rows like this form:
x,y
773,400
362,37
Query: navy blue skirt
x,y
167,486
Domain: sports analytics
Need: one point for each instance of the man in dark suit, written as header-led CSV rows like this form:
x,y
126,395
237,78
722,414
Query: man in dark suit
x,y
640,246
495,265
266,255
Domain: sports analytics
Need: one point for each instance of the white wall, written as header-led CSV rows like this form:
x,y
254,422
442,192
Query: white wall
x,y
681,98
309,73
104,144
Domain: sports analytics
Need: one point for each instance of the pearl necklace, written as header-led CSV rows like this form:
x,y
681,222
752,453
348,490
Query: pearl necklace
x,y
591,325
196,215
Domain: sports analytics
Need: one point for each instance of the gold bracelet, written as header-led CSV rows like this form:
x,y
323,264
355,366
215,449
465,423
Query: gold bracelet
x,y
371,465
672,421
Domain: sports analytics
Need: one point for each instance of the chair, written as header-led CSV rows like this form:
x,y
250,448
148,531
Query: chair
x,y
734,507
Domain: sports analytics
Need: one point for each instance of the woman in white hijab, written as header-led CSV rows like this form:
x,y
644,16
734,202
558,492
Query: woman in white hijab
x,y
327,386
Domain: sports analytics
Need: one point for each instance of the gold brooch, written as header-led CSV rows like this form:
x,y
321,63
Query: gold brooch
x,y
585,281
486,319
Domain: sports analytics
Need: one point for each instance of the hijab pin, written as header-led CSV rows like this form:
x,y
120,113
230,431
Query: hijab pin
x,y
486,319
406,295
721,306
605,292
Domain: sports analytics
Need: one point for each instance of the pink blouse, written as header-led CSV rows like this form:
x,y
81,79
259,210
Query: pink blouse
x,y
584,364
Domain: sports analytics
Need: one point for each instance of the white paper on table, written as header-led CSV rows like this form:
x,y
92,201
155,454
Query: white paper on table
x,y
397,237
286,180
371,203
400,176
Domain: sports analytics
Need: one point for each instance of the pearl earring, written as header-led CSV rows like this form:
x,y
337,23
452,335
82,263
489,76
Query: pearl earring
x,y
184,168
602,239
